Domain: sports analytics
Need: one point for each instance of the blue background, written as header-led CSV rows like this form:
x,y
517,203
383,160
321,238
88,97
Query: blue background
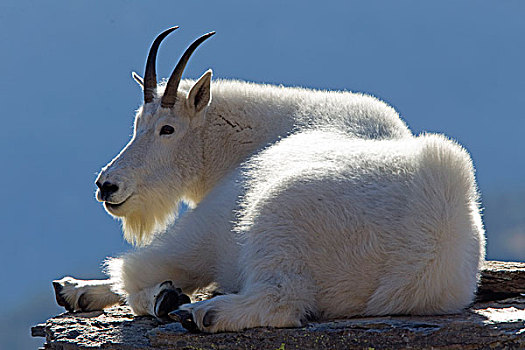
x,y
67,103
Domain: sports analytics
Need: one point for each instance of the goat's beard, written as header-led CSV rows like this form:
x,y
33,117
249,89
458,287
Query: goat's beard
x,y
149,218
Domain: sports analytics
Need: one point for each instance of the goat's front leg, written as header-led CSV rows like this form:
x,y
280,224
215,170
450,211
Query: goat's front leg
x,y
157,300
153,278
85,295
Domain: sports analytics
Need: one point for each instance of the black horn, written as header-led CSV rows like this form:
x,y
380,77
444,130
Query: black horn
x,y
150,75
170,94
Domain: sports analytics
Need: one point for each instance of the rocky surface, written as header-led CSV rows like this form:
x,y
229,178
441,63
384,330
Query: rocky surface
x,y
500,279
488,324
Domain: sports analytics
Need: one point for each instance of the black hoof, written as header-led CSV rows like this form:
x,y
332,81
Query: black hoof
x,y
167,284
209,318
185,318
61,301
83,303
169,299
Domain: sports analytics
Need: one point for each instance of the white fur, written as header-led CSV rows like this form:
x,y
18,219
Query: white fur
x,y
305,203
90,295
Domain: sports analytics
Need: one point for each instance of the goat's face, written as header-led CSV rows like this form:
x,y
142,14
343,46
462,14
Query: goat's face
x,y
162,162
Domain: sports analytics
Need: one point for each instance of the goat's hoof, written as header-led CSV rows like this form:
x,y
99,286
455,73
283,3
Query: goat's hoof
x,y
169,299
209,318
61,300
185,318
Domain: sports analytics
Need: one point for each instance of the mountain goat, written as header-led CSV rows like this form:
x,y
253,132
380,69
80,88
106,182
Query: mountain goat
x,y
305,205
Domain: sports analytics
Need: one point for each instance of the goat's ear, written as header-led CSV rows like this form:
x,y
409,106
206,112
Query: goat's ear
x,y
200,93
138,79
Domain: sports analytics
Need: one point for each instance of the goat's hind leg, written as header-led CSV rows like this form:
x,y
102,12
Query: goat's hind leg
x,y
283,303
278,291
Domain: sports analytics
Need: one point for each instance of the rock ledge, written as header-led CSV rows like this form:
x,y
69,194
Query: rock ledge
x,y
496,321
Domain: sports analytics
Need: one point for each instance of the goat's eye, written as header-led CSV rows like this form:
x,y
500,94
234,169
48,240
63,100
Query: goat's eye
x,y
166,130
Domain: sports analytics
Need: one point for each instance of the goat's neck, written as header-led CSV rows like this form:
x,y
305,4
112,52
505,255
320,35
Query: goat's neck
x,y
234,133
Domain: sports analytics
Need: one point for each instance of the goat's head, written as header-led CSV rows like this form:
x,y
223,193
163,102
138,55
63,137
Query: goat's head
x,y
144,183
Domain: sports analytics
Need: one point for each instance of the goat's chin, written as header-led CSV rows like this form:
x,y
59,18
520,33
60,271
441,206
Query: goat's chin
x,y
142,222
115,210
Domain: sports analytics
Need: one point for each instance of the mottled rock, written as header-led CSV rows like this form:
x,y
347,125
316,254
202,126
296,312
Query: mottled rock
x,y
501,279
494,324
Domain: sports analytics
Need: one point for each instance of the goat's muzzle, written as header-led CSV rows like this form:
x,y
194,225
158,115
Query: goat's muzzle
x,y
106,190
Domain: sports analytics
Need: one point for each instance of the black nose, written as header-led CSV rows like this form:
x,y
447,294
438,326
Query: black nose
x,y
106,189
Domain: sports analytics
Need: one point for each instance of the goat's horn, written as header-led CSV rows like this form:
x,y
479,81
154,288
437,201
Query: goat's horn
x,y
150,75
170,94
